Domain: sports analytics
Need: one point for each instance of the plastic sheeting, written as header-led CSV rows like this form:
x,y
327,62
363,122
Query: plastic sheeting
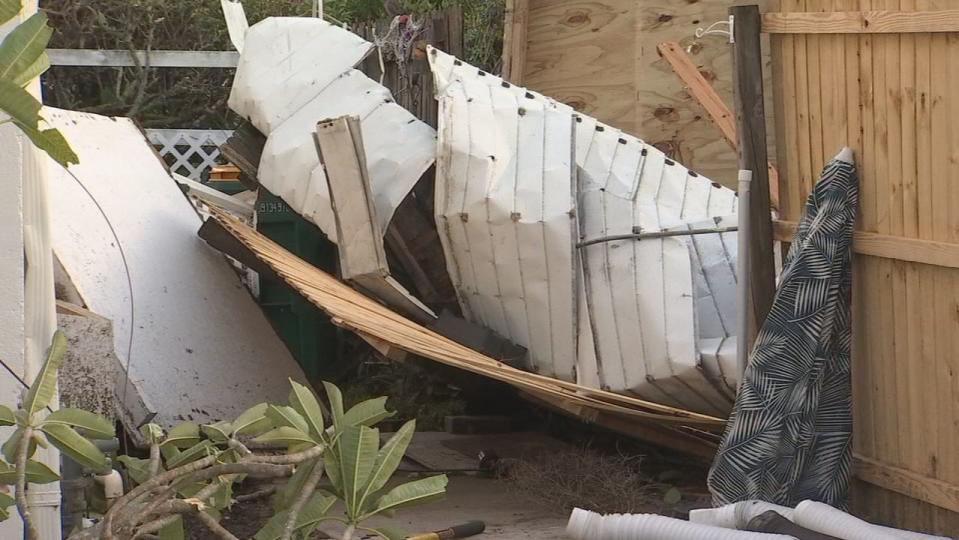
x,y
288,80
651,317
195,344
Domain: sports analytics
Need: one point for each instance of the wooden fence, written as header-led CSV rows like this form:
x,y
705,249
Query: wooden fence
x,y
870,75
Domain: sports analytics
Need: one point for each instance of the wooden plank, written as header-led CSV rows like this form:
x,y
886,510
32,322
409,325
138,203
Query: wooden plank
x,y
885,246
861,22
917,486
363,315
515,41
751,126
703,92
66,308
153,59
340,145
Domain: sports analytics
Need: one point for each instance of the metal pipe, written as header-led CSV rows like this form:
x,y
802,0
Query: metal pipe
x,y
742,272
652,235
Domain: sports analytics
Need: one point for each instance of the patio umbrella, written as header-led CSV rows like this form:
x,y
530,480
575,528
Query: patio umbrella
x,y
789,436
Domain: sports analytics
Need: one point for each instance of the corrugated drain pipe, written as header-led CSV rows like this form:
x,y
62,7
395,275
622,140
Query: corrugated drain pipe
x,y
586,525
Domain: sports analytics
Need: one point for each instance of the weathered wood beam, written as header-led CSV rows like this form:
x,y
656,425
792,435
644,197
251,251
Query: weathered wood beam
x,y
751,129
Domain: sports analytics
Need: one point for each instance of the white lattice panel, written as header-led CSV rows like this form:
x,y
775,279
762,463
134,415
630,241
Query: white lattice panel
x,y
190,152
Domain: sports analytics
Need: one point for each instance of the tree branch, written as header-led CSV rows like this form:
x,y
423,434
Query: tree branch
x,y
308,488
21,495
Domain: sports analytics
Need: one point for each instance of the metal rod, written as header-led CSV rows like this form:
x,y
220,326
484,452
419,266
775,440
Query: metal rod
x,y
653,235
742,273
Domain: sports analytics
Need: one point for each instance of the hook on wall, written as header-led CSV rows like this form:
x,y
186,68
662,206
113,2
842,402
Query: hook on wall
x,y
714,29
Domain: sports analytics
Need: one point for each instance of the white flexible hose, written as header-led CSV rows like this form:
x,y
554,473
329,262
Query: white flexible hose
x,y
825,519
586,525
737,515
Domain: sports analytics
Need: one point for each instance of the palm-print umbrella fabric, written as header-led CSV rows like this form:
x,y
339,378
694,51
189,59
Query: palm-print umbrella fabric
x,y
789,436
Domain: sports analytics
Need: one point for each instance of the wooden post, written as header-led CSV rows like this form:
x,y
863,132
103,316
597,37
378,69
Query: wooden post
x,y
751,130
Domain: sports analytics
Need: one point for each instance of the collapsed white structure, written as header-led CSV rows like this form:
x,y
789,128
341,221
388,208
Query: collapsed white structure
x,y
521,181
295,72
551,221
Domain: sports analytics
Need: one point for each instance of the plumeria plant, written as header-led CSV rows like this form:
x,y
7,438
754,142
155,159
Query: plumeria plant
x,y
192,469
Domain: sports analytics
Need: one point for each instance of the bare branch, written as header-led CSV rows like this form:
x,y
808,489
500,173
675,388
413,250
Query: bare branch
x,y
290,459
256,495
308,488
217,529
21,495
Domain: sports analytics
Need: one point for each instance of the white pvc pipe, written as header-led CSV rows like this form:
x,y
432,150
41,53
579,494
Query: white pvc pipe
x,y
825,519
586,525
112,483
742,267
737,515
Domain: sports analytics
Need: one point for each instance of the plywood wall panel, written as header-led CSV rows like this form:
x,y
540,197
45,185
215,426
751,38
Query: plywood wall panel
x,y
600,57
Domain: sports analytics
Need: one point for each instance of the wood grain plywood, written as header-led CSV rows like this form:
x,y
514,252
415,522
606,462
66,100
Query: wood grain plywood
x,y
600,57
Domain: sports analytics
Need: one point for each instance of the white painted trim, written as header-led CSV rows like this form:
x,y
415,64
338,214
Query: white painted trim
x,y
158,59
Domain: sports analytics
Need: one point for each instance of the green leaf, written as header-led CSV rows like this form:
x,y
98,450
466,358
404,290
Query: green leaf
x,y
305,403
88,424
7,418
388,533
285,496
336,404
356,448
253,421
23,47
44,387
9,9
387,460
53,143
334,470
76,446
138,469
368,413
412,493
6,501
184,435
192,454
173,531
219,432
34,70
314,511
285,435
287,416
152,433
672,496
9,448
37,473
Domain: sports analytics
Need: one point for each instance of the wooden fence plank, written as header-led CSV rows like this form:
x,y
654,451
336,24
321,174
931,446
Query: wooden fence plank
x,y
863,22
903,481
885,246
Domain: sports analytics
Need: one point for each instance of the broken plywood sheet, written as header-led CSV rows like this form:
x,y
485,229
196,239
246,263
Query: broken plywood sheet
x,y
194,343
636,315
288,81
